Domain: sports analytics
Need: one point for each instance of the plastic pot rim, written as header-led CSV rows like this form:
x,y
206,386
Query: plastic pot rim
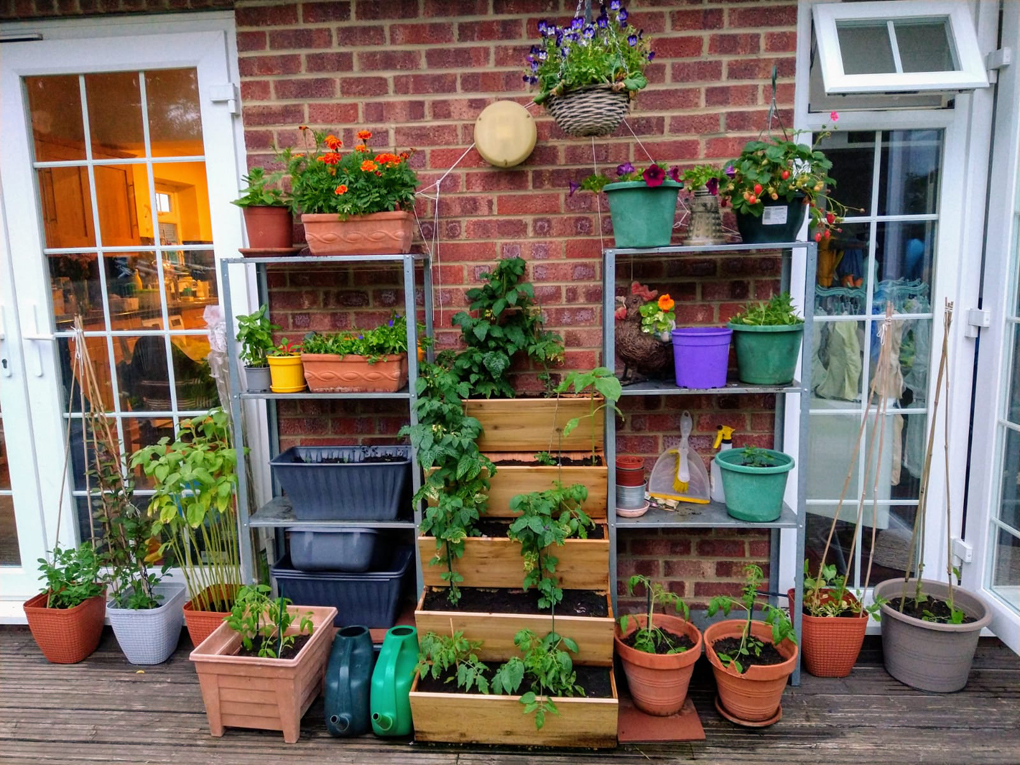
x,y
624,185
781,328
982,621
723,459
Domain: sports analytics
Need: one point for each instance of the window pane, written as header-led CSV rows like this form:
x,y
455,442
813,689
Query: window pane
x,y
132,281
115,115
831,443
196,390
924,45
175,118
892,541
140,432
842,265
1012,363
1006,569
910,362
853,168
142,376
10,553
1009,505
909,174
122,195
57,125
902,458
188,221
66,205
837,364
75,290
98,352
905,255
190,286
865,48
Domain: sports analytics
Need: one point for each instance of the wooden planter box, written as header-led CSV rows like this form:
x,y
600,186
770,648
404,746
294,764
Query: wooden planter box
x,y
497,562
267,694
530,424
594,635
471,718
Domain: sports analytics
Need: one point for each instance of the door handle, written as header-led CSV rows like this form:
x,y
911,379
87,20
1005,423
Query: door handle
x,y
5,364
36,337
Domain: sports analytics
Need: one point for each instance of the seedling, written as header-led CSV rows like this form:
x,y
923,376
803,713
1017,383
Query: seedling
x,y
650,637
837,604
438,653
255,614
752,456
777,312
548,669
544,458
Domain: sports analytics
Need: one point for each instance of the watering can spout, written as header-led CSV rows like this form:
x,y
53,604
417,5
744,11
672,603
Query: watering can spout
x,y
342,722
385,722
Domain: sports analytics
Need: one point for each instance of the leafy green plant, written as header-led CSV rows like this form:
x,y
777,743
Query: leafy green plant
x,y
782,628
547,518
374,344
72,577
255,334
605,51
658,317
456,482
256,615
260,191
650,638
598,382
836,604
547,668
325,180
777,312
508,322
544,458
437,654
285,348
194,480
752,456
703,175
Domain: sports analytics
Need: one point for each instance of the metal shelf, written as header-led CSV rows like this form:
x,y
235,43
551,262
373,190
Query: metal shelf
x,y
284,260
669,388
279,512
403,393
691,515
719,248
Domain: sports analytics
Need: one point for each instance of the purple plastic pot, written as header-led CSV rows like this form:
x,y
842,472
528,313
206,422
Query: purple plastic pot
x,y
701,355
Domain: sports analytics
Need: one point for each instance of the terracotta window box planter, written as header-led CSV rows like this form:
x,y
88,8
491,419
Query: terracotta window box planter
x,y
201,624
332,373
593,635
497,562
530,424
66,635
831,644
472,718
385,233
266,694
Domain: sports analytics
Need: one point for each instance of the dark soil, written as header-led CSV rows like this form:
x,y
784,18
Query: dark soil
x,y
498,529
594,681
936,608
507,601
288,653
563,462
846,613
661,646
730,646
341,461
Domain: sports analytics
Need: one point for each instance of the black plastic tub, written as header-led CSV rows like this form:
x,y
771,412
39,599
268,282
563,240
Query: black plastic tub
x,y
328,548
329,483
371,598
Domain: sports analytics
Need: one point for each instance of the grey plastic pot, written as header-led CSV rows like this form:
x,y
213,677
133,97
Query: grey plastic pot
x,y
257,379
326,548
927,655
150,636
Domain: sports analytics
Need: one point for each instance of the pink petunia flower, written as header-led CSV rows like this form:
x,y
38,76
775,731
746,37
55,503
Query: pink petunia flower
x,y
834,116
654,176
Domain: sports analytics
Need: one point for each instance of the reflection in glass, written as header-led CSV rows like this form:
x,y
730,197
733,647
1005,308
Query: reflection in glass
x,y
837,363
140,432
132,281
122,196
910,357
58,130
66,207
196,390
175,118
190,286
925,45
853,168
75,289
842,264
142,374
115,116
865,47
1006,569
184,215
10,552
1009,504
892,535
1013,364
831,440
99,353
909,172
905,261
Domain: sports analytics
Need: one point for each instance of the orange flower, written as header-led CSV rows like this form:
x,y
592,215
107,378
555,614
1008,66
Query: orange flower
x,y
666,303
340,190
333,142
387,159
364,135
361,148
368,166
330,158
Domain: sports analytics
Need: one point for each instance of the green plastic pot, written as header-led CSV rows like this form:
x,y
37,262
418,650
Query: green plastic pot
x,y
779,222
754,494
642,214
766,355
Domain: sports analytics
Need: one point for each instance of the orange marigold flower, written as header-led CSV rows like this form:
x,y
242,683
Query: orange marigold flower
x,y
368,166
302,127
361,148
340,190
666,303
333,142
364,135
330,158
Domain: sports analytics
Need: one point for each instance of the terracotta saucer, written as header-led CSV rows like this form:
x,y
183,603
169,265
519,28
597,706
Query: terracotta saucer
x,y
634,513
747,724
270,252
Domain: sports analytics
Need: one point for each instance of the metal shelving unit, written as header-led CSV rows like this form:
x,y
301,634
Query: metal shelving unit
x,y
277,513
713,515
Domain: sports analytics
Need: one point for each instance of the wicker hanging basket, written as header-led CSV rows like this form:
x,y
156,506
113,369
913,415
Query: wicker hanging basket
x,y
596,110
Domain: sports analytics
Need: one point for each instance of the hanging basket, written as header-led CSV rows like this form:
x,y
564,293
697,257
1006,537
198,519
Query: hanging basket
x,y
593,111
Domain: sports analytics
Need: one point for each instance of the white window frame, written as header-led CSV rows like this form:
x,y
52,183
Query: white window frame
x,y
972,73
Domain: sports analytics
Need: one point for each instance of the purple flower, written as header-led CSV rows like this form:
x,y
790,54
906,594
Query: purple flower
x,y
654,176
534,66
576,23
542,55
391,322
573,187
622,16
543,25
674,173
730,171
651,55
589,32
625,169
632,40
603,22
614,5
712,184
526,78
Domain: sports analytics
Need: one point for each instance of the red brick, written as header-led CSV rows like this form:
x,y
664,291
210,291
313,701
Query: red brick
x,y
728,147
650,22
458,109
492,82
319,87
371,10
364,86
320,13
334,61
290,39
497,228
697,71
780,42
456,58
468,251
394,111
426,135
760,68
526,204
721,548
712,589
697,124
266,15
283,114
511,7
249,41
498,29
332,114
731,95
668,100
450,8
255,90
388,60
255,66
734,44
696,20
361,36
415,84
421,34
762,16
678,47
688,569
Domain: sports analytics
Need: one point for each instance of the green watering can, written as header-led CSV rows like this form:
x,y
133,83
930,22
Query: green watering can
x,y
391,682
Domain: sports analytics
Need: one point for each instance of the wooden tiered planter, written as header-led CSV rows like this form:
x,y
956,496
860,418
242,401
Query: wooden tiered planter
x,y
530,424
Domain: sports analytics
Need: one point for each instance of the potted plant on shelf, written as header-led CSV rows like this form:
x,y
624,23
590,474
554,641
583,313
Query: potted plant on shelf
x,y
194,481
66,618
642,203
285,370
255,334
751,660
658,651
358,360
767,338
644,322
587,73
275,652
705,227
361,202
266,214
754,481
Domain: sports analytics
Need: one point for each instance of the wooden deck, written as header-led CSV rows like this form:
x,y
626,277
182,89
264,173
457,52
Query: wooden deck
x,y
106,711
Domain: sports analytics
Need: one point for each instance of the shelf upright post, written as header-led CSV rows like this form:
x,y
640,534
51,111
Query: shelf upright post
x,y
609,450
430,353
411,314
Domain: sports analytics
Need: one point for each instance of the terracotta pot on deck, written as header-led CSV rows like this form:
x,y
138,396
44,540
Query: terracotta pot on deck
x,y
201,624
753,697
658,682
376,234
831,644
66,635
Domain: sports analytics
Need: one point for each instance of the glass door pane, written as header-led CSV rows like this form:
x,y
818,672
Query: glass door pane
x,y
10,551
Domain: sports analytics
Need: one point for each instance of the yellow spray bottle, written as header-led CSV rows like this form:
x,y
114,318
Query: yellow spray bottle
x,y
723,442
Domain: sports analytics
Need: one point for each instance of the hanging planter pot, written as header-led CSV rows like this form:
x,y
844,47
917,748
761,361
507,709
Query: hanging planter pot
x,y
642,215
596,110
705,228
780,221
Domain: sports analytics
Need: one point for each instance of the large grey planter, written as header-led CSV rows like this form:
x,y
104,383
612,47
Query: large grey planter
x,y
150,636
927,655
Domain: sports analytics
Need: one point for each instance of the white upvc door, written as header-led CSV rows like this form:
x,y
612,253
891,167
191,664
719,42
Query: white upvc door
x,y
993,509
118,163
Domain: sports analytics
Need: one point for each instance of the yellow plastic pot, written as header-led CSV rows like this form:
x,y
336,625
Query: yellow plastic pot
x,y
287,374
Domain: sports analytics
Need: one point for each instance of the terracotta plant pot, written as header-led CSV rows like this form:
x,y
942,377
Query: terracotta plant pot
x,y
269,228
201,624
267,694
331,373
630,471
66,635
658,682
286,374
831,644
755,695
376,234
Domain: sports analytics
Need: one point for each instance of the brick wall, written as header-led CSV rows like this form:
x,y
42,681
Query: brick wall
x,y
11,10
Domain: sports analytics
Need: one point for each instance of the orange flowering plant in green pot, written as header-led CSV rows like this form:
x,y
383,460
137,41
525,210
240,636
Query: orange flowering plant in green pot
x,y
355,202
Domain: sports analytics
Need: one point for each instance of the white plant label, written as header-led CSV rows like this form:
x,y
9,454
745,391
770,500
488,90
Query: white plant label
x,y
774,216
